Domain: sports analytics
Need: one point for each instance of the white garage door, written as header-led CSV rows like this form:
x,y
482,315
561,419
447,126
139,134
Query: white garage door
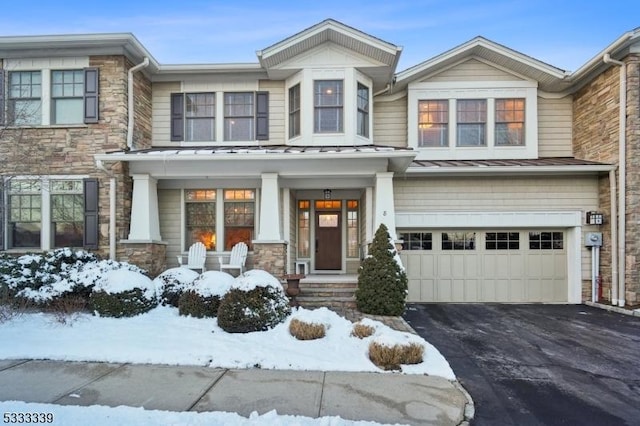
x,y
486,266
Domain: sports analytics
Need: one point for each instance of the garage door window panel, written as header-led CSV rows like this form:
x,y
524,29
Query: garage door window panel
x,y
458,241
502,241
546,240
417,240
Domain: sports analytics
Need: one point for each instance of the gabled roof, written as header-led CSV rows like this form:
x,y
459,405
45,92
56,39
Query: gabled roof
x,y
338,33
549,77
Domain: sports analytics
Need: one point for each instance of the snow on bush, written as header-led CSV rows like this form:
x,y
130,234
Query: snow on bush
x,y
123,293
202,298
42,278
171,284
255,302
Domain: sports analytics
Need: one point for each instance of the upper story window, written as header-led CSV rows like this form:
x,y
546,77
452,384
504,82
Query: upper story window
x,y
37,98
67,90
363,111
25,103
200,116
328,101
238,116
510,122
433,123
245,116
471,122
294,111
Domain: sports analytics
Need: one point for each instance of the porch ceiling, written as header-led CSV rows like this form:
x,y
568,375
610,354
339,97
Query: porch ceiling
x,y
250,161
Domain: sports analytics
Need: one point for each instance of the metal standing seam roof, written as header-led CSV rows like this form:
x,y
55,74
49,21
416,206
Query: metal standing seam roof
x,y
267,149
538,162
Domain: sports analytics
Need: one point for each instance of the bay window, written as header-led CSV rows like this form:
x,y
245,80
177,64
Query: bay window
x,y
363,110
328,101
294,111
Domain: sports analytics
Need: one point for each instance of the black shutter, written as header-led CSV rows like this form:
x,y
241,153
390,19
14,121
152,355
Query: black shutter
x,y
90,238
91,93
177,116
2,97
262,116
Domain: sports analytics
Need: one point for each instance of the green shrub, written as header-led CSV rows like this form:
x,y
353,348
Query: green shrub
x,y
123,293
172,283
199,306
257,309
382,282
124,304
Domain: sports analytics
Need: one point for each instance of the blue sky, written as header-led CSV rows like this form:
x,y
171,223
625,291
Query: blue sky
x,y
563,33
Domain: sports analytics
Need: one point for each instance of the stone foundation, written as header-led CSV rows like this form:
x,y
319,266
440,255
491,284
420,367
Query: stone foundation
x,y
271,257
149,256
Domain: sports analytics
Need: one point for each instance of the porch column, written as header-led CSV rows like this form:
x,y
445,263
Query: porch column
x,y
145,222
384,208
270,209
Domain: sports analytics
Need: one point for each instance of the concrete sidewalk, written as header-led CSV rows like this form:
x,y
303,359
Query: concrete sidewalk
x,y
384,398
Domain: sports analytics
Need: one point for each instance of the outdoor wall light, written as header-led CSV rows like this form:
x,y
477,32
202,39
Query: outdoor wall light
x,y
327,194
595,218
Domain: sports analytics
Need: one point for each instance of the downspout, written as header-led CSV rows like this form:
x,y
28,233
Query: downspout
x,y
112,209
614,236
143,64
622,176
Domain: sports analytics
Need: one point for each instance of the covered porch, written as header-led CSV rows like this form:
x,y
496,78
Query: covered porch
x,y
300,209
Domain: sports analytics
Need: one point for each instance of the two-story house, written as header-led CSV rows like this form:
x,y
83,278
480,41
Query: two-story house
x,y
468,158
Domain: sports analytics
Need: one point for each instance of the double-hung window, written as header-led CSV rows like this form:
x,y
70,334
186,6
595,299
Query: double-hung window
x,y
328,101
200,210
25,213
25,98
471,122
200,116
433,123
67,90
239,116
294,111
67,213
510,122
363,110
239,217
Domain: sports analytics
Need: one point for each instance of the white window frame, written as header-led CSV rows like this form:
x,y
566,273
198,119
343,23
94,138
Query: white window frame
x,y
46,66
489,90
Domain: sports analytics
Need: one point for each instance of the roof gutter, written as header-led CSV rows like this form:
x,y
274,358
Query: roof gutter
x,y
130,111
622,179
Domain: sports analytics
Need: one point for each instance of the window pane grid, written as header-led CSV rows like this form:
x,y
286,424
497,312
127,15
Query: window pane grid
x,y
510,122
363,110
546,240
328,102
25,214
502,241
25,88
471,122
294,111
239,217
352,229
239,117
433,123
200,116
417,240
303,229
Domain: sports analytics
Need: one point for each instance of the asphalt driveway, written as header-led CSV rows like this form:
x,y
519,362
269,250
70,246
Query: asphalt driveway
x,y
539,364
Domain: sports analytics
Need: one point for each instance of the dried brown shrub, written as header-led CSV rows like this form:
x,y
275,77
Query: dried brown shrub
x,y
305,331
390,357
362,330
67,309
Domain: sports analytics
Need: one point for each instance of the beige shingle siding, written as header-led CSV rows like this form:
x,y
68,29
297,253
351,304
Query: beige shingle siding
x,y
170,222
390,123
161,122
495,193
554,127
277,110
473,70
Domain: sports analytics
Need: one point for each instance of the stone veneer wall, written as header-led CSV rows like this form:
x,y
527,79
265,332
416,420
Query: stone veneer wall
x,y
595,137
271,257
149,256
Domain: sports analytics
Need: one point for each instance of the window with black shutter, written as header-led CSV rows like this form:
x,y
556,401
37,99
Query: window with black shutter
x,y
90,214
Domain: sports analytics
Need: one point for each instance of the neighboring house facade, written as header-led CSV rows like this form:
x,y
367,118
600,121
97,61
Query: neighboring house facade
x,y
469,158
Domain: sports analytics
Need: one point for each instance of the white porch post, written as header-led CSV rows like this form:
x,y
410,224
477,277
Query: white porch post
x,y
145,221
270,209
385,211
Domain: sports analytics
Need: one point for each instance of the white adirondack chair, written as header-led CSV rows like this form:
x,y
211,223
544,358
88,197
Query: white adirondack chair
x,y
196,257
237,258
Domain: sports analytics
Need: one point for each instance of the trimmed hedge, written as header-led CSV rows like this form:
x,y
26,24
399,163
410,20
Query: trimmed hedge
x,y
258,309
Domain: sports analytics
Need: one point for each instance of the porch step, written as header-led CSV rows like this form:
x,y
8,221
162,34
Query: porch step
x,y
339,295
